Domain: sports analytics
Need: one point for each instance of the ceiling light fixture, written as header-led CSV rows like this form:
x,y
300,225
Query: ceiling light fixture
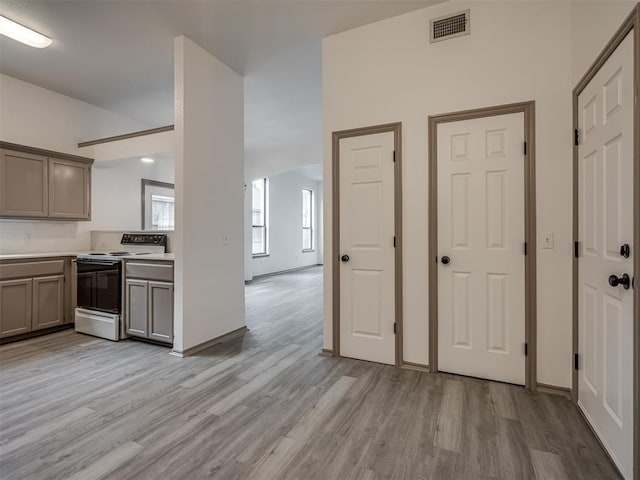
x,y
23,34
147,159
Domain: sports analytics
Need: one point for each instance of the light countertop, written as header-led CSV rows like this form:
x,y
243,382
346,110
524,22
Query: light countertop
x,y
18,256
151,256
24,256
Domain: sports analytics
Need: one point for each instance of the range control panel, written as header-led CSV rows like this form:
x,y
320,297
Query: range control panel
x,y
144,239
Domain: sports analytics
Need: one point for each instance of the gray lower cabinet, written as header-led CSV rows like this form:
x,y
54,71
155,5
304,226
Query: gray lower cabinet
x,y
137,293
48,302
16,302
160,311
34,295
149,309
29,304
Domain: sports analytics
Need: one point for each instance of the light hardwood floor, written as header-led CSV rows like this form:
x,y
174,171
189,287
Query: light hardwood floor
x,y
268,406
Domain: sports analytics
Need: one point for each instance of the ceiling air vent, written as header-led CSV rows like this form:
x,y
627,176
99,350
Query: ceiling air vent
x,y
449,26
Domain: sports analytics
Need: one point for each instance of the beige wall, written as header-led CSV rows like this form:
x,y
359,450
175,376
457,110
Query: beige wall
x,y
593,23
389,72
209,286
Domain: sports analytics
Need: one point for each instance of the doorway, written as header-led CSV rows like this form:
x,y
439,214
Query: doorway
x,y
482,243
606,230
367,263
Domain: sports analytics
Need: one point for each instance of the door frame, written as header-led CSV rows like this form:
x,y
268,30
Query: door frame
x,y
528,109
631,23
396,129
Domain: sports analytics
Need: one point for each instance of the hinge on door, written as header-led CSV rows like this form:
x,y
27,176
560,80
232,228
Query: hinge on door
x,y
394,329
394,242
525,248
394,156
576,249
525,148
575,361
576,137
526,349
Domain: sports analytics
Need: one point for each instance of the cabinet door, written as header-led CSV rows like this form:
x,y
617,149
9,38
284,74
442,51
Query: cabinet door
x,y
16,302
69,189
23,185
48,302
136,308
161,311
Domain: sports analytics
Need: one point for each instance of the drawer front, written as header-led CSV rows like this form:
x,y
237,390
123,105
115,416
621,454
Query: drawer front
x,y
162,272
32,269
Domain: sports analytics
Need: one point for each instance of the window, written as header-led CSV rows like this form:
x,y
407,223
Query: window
x,y
162,213
259,217
307,220
158,205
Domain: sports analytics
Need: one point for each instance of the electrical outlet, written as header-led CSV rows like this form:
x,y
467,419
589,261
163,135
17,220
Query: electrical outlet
x,y
225,240
27,238
547,240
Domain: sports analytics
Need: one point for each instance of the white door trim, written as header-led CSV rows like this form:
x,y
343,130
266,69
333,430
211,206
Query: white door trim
x,y
631,23
528,109
396,128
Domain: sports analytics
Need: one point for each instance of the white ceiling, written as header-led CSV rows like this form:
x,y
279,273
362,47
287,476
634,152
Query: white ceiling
x,y
118,55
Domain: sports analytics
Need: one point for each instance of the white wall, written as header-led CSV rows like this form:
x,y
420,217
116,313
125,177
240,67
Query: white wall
x,y
209,287
267,163
34,116
388,72
145,145
285,226
593,23
38,117
116,190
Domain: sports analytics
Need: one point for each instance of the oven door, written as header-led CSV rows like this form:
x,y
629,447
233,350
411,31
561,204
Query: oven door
x,y
99,285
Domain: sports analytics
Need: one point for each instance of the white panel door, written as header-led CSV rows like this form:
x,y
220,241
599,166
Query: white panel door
x,y
481,213
605,224
367,229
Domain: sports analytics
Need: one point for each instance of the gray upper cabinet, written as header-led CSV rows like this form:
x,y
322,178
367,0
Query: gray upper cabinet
x,y
23,184
69,189
37,183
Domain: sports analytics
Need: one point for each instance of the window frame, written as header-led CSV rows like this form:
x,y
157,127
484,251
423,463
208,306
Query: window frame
x,y
311,218
265,213
146,190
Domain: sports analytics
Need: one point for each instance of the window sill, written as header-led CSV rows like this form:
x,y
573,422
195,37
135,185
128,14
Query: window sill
x,y
260,255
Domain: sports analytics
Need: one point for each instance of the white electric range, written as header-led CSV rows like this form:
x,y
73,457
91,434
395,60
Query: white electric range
x,y
99,285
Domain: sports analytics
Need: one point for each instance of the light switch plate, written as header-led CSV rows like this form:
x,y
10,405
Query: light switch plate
x,y
547,240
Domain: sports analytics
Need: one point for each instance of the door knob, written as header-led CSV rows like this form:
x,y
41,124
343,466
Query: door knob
x,y
446,260
624,280
344,258
625,250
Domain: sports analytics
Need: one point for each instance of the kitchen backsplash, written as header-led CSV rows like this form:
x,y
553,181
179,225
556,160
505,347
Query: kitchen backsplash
x,y
23,236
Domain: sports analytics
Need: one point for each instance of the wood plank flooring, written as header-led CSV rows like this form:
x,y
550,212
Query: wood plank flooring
x,y
269,407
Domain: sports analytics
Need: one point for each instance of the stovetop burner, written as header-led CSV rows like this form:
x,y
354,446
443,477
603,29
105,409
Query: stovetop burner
x,y
136,244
